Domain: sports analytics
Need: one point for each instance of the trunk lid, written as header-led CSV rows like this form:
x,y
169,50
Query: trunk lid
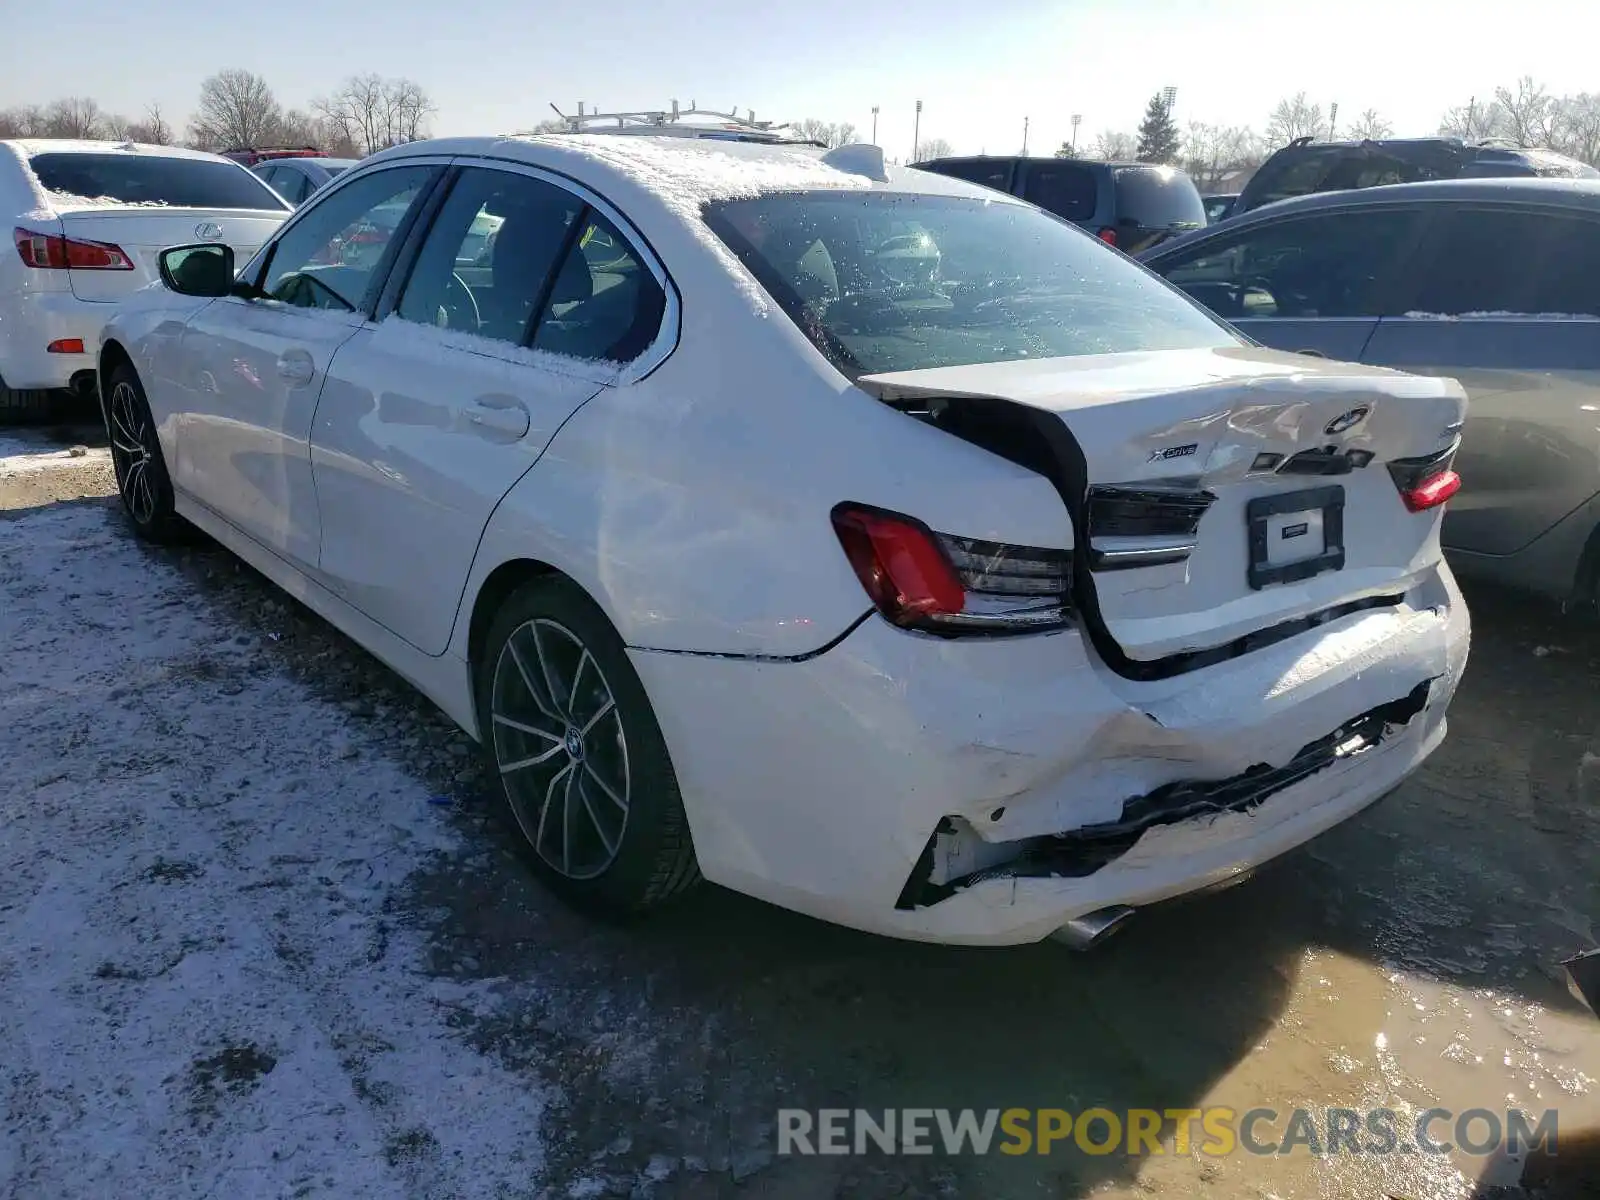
x,y
144,231
1215,494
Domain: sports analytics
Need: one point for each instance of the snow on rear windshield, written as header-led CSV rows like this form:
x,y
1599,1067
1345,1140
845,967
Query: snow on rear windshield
x,y
884,281
126,178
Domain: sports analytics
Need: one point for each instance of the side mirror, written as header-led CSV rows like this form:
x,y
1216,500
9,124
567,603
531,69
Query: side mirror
x,y
203,270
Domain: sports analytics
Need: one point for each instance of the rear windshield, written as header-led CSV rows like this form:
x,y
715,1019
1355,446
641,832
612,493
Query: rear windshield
x,y
130,178
1158,197
883,281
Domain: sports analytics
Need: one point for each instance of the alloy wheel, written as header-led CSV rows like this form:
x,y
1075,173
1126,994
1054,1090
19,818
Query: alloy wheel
x,y
133,448
560,748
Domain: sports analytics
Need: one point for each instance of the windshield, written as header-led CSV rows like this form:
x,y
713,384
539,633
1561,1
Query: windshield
x,y
147,179
884,281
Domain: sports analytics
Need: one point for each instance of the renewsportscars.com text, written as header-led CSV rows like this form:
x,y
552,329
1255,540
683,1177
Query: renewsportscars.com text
x,y
1150,1131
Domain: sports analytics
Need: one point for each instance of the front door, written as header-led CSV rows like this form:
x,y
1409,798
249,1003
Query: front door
x,y
1507,301
524,302
1313,283
254,368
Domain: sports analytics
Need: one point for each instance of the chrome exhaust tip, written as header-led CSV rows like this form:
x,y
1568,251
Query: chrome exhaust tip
x,y
1089,930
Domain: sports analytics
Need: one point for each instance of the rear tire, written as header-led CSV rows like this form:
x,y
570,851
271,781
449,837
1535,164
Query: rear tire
x,y
142,479
575,751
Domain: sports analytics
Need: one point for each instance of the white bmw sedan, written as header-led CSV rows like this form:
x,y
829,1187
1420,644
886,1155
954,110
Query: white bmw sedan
x,y
854,537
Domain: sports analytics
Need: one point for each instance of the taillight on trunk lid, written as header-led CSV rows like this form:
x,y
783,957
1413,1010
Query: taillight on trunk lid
x,y
52,252
937,582
1426,482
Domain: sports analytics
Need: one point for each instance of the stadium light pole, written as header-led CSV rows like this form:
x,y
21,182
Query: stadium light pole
x,y
874,124
916,132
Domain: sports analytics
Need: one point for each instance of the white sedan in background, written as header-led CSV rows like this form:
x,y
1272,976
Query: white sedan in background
x,y
975,604
88,219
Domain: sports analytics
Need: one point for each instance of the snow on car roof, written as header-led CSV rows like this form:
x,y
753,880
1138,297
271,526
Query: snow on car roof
x,y
682,175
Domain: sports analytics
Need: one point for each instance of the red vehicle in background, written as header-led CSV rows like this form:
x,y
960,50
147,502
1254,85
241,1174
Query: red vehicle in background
x,y
251,155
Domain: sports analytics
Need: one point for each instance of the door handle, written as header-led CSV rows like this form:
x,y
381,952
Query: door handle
x,y
499,418
1312,353
296,368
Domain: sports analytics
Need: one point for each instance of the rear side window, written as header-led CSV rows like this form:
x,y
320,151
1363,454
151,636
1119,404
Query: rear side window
x,y
133,178
604,303
1325,265
1488,262
1071,192
990,172
1158,198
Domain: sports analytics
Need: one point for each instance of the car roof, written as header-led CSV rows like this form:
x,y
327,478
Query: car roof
x,y
679,170
28,147
1581,194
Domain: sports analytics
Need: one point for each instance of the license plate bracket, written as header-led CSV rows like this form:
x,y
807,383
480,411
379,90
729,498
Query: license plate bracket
x,y
1277,523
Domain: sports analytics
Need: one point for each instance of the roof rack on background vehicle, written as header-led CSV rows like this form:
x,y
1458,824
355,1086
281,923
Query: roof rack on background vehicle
x,y
693,121
250,155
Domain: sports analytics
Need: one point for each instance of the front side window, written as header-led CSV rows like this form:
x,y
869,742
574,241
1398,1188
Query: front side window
x,y
1070,191
1324,265
1492,263
329,256
130,177
883,281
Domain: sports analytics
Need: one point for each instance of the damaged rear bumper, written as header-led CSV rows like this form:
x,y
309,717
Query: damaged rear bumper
x,y
826,785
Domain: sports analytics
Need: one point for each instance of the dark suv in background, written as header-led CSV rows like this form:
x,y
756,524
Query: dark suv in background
x,y
1304,166
1132,206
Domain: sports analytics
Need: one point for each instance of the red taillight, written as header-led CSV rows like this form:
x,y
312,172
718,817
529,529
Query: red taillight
x,y
899,562
1108,235
65,346
919,579
52,252
1426,482
1432,492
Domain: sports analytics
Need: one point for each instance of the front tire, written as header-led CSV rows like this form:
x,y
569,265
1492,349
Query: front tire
x,y
141,469
578,756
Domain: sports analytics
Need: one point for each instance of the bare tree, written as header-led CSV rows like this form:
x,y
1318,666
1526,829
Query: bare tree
x,y
930,148
1211,151
1370,125
1294,117
116,127
1578,127
74,117
1472,121
153,130
237,108
371,112
1529,114
811,129
1112,146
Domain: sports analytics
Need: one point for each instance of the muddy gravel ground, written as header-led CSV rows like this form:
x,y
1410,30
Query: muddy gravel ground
x,y
499,1045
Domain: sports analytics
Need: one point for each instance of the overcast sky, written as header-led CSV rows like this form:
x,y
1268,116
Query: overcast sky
x,y
979,66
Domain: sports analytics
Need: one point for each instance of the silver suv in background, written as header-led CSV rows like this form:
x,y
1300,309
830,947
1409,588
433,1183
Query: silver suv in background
x,y
1494,282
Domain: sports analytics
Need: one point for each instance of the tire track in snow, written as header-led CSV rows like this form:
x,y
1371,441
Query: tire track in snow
x,y
207,984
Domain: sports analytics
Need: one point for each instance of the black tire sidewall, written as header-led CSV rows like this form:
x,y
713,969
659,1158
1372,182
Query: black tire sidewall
x,y
163,525
639,877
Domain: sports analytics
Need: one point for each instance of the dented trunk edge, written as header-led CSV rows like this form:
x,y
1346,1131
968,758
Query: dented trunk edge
x,y
1043,443
1080,852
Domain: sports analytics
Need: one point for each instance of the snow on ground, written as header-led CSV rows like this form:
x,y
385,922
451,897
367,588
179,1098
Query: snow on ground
x,y
207,986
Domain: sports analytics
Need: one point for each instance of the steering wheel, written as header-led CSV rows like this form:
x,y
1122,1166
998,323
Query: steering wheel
x,y
460,305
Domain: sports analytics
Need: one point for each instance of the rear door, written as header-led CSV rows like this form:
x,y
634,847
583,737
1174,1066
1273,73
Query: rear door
x,y
253,368
1507,301
1313,283
1068,189
430,416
